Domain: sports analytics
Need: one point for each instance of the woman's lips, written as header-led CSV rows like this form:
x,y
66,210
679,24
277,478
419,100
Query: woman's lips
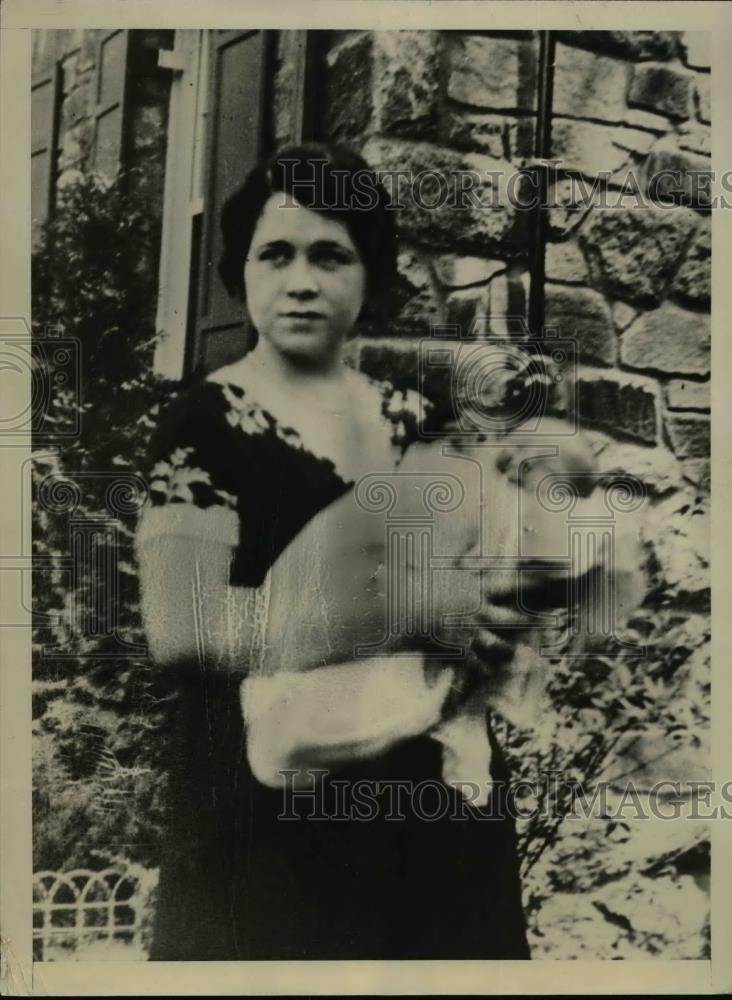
x,y
303,322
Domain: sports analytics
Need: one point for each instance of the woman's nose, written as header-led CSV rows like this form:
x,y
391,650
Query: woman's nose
x,y
300,278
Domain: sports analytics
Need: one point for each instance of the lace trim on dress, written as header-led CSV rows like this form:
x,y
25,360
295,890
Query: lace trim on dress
x,y
176,481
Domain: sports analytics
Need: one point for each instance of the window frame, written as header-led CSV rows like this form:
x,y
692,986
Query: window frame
x,y
119,100
51,77
183,200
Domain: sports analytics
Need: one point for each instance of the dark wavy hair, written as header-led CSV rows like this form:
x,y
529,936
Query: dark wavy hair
x,y
326,178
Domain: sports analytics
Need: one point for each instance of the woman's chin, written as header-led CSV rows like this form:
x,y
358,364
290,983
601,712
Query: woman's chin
x,y
306,351
305,347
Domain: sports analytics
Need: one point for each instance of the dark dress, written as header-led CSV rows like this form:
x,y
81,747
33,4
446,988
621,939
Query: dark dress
x,y
236,880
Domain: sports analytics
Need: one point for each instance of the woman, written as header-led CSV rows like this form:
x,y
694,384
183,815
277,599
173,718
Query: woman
x,y
261,576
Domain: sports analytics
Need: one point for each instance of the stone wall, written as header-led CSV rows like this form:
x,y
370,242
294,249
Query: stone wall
x,y
629,280
146,107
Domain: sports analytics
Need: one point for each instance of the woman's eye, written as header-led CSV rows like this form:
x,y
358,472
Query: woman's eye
x,y
275,255
331,258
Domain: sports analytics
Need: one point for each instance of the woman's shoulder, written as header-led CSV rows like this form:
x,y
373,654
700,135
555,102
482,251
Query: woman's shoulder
x,y
190,414
220,401
391,396
190,450
406,409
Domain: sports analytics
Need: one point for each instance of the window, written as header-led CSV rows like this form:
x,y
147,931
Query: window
x,y
184,196
110,86
217,131
45,97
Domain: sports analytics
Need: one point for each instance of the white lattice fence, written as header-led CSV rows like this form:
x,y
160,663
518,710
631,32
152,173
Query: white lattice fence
x,y
83,913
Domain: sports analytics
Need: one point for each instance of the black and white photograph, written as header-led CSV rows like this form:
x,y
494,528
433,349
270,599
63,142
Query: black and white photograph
x,y
365,476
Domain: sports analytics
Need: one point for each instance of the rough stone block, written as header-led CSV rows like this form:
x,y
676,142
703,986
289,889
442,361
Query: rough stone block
x,y
623,403
696,138
570,200
406,82
89,45
676,176
668,339
481,133
454,271
693,281
627,44
283,97
398,361
667,90
698,472
498,136
696,48
349,92
71,39
635,140
582,315
585,147
565,262
417,306
689,434
75,144
633,252
703,99
490,72
638,118
393,360
589,86
623,315
69,70
467,309
455,201
76,107
683,394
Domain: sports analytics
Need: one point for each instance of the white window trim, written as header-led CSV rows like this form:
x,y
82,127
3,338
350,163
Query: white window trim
x,y
183,198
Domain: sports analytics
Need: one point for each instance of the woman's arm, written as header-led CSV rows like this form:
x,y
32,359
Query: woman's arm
x,y
325,595
189,612
329,717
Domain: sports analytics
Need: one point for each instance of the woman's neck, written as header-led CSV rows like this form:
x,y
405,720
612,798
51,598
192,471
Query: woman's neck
x,y
325,388
293,373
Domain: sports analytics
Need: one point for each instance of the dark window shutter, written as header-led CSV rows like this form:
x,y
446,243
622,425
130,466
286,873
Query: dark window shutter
x,y
238,136
308,96
110,86
45,93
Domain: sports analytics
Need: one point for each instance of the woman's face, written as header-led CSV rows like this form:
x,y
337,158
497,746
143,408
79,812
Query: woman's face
x,y
304,279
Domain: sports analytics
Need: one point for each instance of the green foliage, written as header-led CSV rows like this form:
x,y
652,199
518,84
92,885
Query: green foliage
x,y
605,705
96,715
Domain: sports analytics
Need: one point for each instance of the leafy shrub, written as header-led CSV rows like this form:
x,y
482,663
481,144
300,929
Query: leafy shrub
x,y
97,784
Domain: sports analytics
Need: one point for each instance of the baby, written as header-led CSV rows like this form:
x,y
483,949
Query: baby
x,y
346,711
505,669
